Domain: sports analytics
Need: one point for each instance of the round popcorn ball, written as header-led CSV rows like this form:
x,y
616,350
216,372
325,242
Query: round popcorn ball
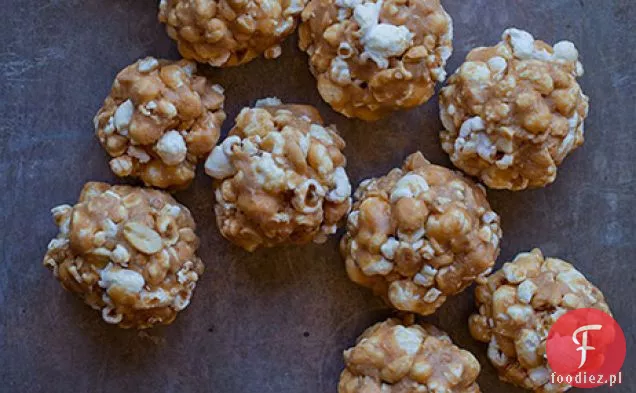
x,y
279,177
391,357
517,307
374,57
514,111
228,33
159,120
127,251
420,234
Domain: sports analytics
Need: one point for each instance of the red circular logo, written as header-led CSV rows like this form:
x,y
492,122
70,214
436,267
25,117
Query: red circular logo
x,y
586,349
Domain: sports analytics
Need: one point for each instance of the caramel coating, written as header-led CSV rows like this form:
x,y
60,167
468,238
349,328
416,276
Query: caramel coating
x,y
517,307
280,177
227,33
127,251
514,111
420,234
371,58
159,121
391,357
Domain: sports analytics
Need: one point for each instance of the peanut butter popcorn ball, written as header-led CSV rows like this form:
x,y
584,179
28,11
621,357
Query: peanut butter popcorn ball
x,y
159,120
229,32
517,307
279,177
374,57
420,234
127,251
390,357
514,111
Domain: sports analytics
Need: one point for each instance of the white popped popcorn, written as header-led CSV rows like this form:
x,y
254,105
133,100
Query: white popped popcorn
x,y
218,164
340,72
123,116
522,43
380,40
148,64
343,186
172,148
409,186
384,41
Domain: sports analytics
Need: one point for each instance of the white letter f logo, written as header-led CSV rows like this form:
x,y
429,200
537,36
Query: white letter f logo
x,y
584,347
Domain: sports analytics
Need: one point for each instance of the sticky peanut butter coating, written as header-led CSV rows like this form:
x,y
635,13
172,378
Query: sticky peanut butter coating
x,y
279,177
513,112
160,119
518,305
371,58
419,234
393,357
129,252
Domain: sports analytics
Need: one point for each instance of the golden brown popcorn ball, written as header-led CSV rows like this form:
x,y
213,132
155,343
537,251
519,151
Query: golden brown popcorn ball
x,y
390,357
279,177
128,252
159,120
420,234
226,33
514,111
371,58
517,307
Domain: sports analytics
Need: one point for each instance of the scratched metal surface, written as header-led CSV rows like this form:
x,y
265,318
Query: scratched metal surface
x,y
276,320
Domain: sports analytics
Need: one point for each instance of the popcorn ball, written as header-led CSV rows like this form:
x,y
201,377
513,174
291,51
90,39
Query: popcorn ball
x,y
420,234
159,120
374,57
391,357
229,32
517,307
279,177
514,111
128,252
